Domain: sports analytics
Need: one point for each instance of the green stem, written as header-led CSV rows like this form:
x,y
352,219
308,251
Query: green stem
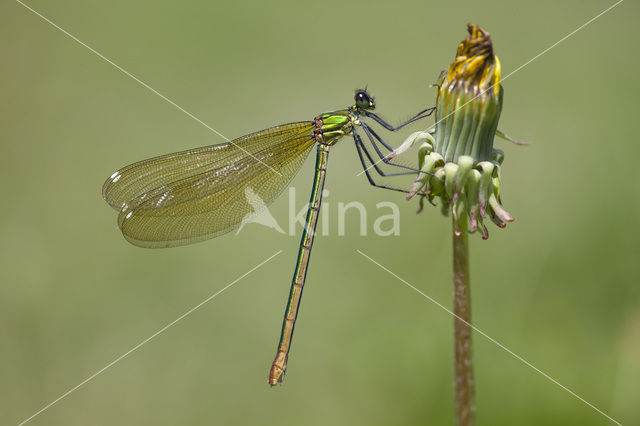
x,y
464,387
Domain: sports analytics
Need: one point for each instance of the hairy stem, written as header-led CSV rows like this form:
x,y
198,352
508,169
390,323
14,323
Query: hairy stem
x,y
464,386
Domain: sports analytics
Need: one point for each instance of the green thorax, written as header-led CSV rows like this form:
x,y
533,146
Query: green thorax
x,y
331,126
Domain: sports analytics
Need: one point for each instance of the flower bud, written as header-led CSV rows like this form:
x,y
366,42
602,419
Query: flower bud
x,y
460,165
469,100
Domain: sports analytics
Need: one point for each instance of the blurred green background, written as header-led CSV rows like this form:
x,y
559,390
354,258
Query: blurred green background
x,y
558,287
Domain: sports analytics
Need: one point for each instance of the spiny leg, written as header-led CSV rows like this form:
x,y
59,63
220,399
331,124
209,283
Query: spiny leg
x,y
373,136
422,114
373,163
360,147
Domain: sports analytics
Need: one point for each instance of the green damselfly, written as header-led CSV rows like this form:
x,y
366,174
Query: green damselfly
x,y
190,196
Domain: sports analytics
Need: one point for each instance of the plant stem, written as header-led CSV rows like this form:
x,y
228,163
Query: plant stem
x,y
464,387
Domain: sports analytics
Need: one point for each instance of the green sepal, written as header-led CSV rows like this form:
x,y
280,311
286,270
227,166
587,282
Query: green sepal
x,y
465,164
486,169
473,207
450,171
499,211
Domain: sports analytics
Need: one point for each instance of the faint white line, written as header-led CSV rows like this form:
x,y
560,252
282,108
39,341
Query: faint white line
x,y
557,42
527,363
516,70
147,339
127,73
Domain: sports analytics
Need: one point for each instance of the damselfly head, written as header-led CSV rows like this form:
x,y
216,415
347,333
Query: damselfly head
x,y
364,100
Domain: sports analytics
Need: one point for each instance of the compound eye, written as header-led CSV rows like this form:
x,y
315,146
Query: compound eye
x,y
362,99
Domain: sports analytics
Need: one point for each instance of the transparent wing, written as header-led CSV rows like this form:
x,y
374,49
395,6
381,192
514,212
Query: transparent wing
x,y
138,178
186,197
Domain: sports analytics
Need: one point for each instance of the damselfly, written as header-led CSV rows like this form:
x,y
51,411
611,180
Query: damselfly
x,y
190,196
